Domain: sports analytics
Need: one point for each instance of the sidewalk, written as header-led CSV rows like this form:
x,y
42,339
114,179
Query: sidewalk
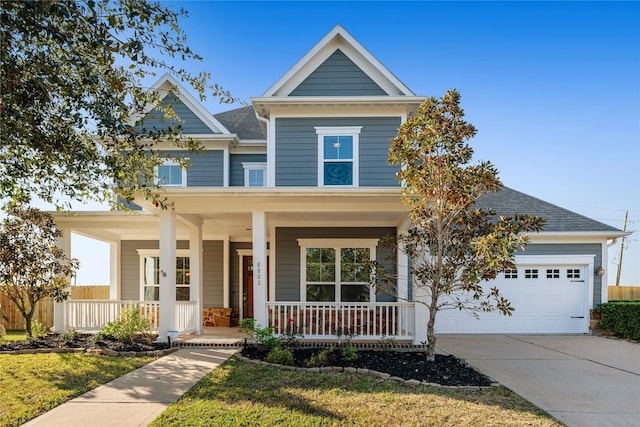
x,y
140,396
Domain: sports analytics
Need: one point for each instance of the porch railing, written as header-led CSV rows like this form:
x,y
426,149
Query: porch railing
x,y
366,320
95,314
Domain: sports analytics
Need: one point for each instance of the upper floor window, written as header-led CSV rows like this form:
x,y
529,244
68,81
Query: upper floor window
x,y
255,174
171,174
338,156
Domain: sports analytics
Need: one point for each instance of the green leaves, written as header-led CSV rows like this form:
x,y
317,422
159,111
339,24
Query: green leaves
x,y
69,81
32,267
453,245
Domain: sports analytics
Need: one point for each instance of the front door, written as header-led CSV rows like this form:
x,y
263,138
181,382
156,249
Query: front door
x,y
247,285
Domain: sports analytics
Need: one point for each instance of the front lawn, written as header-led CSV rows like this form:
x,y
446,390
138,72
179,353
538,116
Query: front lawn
x,y
31,384
238,393
14,335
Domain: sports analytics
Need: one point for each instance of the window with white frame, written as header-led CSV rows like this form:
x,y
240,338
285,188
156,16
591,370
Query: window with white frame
x,y
171,174
255,174
336,270
338,156
150,275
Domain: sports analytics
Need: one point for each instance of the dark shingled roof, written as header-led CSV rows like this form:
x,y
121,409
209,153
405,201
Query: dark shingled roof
x,y
243,122
509,202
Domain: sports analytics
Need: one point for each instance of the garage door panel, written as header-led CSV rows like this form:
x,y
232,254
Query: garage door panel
x,y
542,304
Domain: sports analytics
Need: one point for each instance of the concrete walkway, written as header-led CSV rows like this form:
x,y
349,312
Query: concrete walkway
x,y
140,396
580,380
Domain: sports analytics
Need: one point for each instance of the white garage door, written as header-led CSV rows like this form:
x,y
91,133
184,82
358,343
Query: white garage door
x,y
546,298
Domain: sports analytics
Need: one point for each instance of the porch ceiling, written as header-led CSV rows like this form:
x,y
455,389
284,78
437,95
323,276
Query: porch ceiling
x,y
228,213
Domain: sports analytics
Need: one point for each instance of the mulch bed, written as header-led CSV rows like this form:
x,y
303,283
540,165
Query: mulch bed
x,y
84,341
446,370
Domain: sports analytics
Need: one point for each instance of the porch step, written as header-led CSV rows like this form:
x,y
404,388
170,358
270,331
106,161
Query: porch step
x,y
210,343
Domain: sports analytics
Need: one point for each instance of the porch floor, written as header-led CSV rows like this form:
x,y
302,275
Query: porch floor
x,y
213,337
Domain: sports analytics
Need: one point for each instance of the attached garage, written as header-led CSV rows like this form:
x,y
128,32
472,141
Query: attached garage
x,y
549,294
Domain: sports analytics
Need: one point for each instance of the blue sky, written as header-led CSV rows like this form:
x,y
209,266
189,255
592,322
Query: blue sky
x,y
553,88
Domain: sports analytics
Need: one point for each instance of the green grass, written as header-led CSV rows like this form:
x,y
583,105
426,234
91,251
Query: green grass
x,y
244,394
15,335
31,384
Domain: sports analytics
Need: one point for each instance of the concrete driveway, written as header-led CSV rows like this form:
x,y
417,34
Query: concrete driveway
x,y
580,380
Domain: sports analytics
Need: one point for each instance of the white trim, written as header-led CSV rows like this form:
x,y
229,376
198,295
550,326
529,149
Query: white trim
x,y
337,244
226,169
226,273
271,153
354,133
142,253
249,166
164,86
338,38
183,183
604,280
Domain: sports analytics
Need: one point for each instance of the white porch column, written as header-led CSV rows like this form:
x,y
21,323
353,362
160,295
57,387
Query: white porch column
x,y
59,308
167,273
260,268
226,274
403,266
114,271
420,325
195,269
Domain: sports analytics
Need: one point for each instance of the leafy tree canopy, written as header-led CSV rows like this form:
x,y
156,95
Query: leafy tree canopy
x,y
453,244
32,266
70,80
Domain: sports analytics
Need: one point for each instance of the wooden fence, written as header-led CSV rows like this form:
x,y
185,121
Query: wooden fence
x,y
44,309
629,293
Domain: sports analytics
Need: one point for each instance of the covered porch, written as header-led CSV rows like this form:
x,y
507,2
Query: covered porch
x,y
217,232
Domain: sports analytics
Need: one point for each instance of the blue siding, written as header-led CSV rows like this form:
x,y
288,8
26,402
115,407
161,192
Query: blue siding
x,y
212,269
288,254
207,168
571,249
297,150
236,177
190,123
338,76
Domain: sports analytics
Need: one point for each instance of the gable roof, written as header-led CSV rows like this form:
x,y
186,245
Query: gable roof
x,y
166,86
338,38
509,202
243,122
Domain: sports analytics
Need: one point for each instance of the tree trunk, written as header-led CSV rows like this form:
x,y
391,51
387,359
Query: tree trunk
x,y
431,335
28,320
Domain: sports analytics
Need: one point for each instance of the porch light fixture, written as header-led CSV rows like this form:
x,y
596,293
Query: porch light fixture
x,y
600,271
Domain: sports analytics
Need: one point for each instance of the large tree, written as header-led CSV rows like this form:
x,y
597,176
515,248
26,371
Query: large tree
x,y
32,266
70,80
454,246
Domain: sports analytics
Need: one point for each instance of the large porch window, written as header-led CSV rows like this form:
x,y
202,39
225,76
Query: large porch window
x,y
335,270
150,276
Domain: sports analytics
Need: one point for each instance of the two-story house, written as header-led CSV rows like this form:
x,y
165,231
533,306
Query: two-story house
x,y
276,219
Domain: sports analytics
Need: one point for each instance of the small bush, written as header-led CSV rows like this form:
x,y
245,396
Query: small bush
x,y
319,359
38,329
281,356
69,336
130,324
620,318
349,353
262,336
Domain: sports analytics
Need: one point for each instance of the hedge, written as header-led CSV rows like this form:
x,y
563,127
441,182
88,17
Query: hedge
x,y
622,318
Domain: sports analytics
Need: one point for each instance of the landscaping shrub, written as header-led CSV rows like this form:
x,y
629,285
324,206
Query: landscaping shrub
x,y
262,336
622,318
319,359
38,329
282,356
130,324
